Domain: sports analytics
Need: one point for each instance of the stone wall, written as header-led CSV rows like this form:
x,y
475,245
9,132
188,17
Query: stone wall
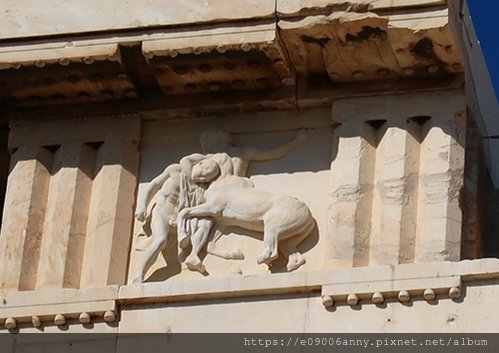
x,y
69,203
158,160
397,179
382,176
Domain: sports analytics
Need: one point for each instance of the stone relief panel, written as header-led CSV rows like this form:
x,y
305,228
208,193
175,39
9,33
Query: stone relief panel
x,y
237,189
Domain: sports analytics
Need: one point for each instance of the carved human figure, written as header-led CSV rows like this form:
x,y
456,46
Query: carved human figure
x,y
163,215
234,201
231,161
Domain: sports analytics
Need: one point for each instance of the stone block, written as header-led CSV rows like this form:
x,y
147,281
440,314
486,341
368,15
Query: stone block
x,y
58,204
76,17
414,162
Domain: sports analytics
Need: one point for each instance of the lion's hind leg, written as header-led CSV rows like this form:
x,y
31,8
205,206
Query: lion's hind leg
x,y
270,248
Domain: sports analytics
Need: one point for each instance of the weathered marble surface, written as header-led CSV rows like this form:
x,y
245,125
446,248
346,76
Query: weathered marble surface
x,y
27,18
397,178
382,176
69,203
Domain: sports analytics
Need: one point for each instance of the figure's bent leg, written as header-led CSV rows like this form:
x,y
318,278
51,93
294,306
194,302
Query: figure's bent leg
x,y
160,229
184,237
182,228
198,240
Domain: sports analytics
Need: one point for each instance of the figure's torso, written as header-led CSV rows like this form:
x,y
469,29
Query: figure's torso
x,y
170,189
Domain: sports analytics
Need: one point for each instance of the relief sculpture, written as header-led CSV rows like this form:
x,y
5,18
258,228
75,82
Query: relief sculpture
x,y
234,200
210,188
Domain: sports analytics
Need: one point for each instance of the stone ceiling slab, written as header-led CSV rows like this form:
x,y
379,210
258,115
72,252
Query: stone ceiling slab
x,y
63,72
244,57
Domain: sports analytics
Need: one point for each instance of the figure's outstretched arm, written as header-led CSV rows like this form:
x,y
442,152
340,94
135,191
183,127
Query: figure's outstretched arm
x,y
258,155
152,188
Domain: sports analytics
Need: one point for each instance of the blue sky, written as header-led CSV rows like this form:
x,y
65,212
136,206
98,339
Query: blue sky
x,y
485,16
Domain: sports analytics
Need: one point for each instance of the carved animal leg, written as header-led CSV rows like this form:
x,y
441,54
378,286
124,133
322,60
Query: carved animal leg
x,y
184,237
160,229
204,210
199,238
289,246
270,249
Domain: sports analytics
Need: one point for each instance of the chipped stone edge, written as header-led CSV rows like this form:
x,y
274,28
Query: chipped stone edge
x,y
292,8
197,38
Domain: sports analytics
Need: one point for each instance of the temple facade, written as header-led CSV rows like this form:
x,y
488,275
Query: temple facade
x,y
244,166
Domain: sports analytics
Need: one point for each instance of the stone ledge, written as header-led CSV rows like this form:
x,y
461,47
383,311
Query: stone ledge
x,y
74,16
50,313
342,284
56,306
289,8
38,20
60,52
56,296
299,282
342,110
124,127
403,289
